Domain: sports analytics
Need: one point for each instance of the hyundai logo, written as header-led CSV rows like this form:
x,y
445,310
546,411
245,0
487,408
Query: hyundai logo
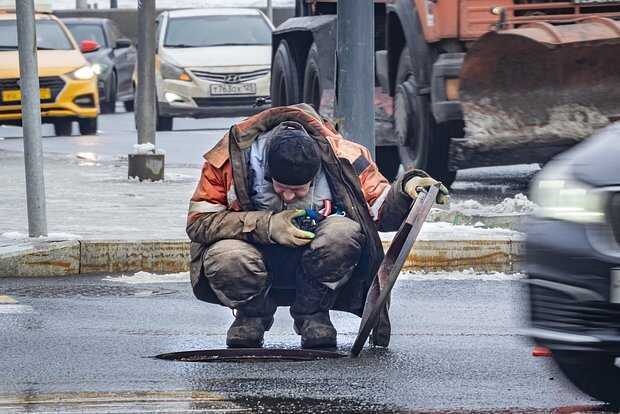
x,y
232,79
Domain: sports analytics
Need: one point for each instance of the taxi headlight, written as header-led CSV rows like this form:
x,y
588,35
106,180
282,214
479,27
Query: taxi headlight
x,y
83,73
560,196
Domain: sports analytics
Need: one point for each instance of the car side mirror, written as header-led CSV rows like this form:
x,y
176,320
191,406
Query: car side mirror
x,y
87,46
123,43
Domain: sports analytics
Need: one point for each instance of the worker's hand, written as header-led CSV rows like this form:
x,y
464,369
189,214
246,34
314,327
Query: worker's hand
x,y
415,183
283,231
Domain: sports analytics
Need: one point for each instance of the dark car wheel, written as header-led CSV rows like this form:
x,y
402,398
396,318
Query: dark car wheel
x,y
109,106
88,126
129,106
163,123
63,127
285,84
594,373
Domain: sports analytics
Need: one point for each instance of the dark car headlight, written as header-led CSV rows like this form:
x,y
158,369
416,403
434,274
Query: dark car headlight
x,y
561,196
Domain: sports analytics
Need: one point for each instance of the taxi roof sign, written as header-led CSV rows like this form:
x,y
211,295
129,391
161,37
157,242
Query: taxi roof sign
x,y
40,6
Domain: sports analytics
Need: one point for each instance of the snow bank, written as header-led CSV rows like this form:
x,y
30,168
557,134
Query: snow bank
x,y
519,204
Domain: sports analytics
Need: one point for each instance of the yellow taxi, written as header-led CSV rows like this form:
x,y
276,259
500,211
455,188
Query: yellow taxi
x,y
68,85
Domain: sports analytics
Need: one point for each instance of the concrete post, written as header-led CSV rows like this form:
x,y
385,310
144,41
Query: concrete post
x,y
146,164
355,71
81,4
270,10
31,118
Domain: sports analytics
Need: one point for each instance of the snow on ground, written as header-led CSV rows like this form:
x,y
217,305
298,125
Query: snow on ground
x,y
461,275
183,277
448,231
16,235
146,277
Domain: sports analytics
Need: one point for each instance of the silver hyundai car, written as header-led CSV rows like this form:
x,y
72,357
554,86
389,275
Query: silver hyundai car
x,y
212,62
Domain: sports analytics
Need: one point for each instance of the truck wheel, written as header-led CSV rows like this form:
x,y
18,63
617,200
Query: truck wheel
x,y
88,126
388,161
425,143
63,127
285,87
593,373
312,79
128,105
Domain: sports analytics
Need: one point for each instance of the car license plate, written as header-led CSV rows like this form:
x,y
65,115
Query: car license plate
x,y
12,96
614,288
234,89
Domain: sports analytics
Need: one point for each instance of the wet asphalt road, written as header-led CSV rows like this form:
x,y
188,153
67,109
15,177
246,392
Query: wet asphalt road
x,y
454,348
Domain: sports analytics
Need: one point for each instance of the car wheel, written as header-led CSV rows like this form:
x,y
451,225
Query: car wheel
x,y
285,85
312,79
88,126
109,107
63,127
163,123
426,144
129,106
594,373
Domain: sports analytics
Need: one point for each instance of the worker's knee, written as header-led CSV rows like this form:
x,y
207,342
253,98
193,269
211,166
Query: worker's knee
x,y
236,271
334,252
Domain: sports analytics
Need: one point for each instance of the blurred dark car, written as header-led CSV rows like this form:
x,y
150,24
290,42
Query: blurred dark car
x,y
113,61
573,263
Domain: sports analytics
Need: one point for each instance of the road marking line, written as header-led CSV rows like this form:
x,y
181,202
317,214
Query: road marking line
x,y
4,299
16,309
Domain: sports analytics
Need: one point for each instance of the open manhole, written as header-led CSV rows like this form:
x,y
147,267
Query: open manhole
x,y
250,355
94,291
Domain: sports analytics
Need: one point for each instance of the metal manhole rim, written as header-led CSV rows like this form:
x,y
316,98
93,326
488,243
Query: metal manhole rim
x,y
242,355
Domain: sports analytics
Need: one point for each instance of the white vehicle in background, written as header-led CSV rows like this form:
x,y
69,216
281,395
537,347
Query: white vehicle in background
x,y
212,62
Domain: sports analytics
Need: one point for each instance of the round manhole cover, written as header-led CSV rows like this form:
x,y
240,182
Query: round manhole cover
x,y
250,355
90,291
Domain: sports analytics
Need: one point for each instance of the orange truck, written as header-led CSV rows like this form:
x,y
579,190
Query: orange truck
x,y
466,83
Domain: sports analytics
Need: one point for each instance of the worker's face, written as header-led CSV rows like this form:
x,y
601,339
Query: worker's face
x,y
290,193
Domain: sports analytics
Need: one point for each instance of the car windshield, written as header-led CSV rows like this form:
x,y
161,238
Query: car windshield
x,y
83,31
217,30
50,35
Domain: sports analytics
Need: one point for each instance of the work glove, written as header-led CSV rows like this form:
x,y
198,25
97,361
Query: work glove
x,y
283,231
415,183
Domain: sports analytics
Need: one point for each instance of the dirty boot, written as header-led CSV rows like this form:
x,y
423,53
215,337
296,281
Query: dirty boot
x,y
251,322
316,331
248,332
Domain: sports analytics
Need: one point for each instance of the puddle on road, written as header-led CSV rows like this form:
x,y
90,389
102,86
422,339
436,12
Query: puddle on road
x,y
207,402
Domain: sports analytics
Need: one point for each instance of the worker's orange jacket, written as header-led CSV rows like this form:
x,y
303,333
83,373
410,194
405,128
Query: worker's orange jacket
x,y
221,207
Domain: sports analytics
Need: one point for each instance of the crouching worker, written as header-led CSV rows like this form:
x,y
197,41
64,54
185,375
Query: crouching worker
x,y
253,247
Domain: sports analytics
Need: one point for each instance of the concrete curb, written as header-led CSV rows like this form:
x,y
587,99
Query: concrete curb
x,y
82,257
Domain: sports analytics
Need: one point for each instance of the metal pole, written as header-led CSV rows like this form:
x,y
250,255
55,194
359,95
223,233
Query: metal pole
x,y
355,66
114,4
270,10
81,4
31,118
146,72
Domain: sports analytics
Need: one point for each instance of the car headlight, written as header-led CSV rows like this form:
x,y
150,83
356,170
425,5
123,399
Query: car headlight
x,y
560,196
170,71
99,68
83,73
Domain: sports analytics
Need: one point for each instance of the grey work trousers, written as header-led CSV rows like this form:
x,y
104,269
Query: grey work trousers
x,y
242,274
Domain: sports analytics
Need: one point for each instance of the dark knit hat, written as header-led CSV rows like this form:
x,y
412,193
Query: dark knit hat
x,y
293,157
